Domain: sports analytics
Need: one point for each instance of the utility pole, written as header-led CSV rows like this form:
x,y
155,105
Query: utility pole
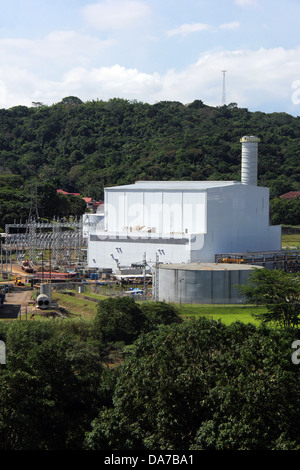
x,y
144,274
155,280
224,89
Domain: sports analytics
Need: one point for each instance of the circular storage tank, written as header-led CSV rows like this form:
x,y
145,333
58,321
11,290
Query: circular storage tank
x,y
202,283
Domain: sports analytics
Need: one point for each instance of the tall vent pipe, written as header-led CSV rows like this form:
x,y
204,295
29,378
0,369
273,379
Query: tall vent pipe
x,y
249,159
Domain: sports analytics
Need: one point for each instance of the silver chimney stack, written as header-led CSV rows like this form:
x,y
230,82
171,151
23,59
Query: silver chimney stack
x,y
249,159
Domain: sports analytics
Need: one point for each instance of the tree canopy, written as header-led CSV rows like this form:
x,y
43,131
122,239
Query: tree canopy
x,y
285,211
174,386
18,198
201,385
122,319
279,292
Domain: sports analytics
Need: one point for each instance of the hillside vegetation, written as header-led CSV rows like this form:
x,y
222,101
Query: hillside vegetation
x,y
84,147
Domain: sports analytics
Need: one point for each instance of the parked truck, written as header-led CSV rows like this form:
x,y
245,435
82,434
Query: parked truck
x,y
26,266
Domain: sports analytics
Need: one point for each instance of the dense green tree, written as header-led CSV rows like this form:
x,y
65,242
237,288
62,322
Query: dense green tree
x,y
14,204
50,390
119,319
190,385
201,385
18,197
285,211
281,185
160,313
276,290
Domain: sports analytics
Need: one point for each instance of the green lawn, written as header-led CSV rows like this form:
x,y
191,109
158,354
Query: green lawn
x,y
291,240
75,304
226,313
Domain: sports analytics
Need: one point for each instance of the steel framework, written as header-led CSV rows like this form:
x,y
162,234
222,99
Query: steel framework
x,y
62,238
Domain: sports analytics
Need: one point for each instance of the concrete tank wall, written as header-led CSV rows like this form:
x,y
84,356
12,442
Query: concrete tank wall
x,y
206,284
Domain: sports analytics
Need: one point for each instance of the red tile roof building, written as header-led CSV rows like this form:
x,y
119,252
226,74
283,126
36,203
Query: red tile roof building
x,y
90,203
291,195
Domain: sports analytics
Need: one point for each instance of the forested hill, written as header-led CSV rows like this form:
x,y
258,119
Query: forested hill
x,y
83,147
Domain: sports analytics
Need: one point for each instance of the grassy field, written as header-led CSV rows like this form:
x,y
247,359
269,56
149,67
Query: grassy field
x,y
77,304
226,313
291,240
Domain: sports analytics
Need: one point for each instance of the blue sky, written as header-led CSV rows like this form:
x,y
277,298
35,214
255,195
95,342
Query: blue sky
x,y
151,50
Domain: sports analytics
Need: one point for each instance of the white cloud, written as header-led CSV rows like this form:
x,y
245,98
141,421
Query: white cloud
x,y
187,29
65,43
234,25
256,79
116,14
112,81
61,47
32,69
190,28
246,3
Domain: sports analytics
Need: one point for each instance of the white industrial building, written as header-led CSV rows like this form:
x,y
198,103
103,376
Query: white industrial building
x,y
184,221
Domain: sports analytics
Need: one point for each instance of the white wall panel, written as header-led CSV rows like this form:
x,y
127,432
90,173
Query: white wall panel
x,y
134,209
194,212
171,222
153,215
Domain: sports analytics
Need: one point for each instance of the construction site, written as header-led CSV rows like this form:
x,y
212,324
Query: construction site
x,y
38,257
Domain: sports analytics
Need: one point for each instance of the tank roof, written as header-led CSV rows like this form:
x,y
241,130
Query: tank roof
x,y
209,266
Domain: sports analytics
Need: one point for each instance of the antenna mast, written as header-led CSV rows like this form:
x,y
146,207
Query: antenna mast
x,y
224,91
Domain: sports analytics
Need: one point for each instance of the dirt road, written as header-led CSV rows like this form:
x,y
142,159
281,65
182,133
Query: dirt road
x,y
14,269
14,301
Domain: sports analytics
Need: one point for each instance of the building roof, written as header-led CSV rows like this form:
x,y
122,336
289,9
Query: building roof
x,y
173,185
66,193
88,200
291,195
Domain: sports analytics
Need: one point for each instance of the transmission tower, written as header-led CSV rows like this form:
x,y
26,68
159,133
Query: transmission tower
x,y
224,89
33,217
